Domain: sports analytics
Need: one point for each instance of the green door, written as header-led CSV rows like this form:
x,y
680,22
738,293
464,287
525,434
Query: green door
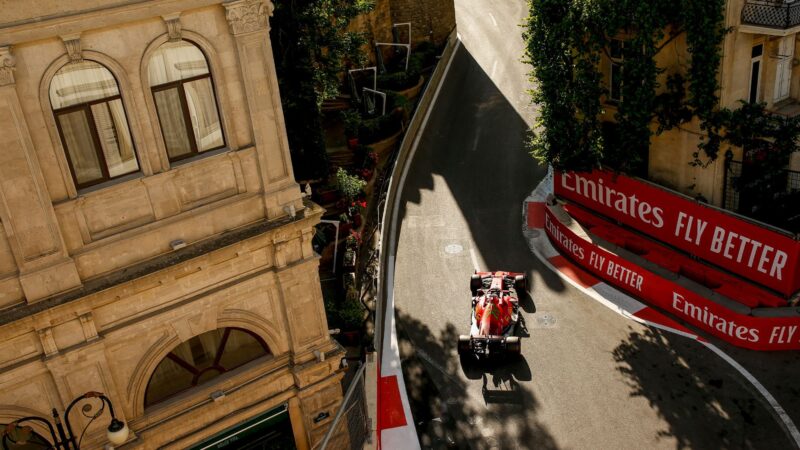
x,y
271,430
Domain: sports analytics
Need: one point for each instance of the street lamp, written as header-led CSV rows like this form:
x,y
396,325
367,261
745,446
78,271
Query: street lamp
x,y
64,438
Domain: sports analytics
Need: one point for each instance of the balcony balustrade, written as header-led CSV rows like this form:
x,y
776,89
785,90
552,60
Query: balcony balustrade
x,y
778,14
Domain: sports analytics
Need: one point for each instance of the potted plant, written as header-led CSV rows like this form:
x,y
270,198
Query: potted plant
x,y
352,124
349,260
345,225
350,186
353,240
351,314
355,210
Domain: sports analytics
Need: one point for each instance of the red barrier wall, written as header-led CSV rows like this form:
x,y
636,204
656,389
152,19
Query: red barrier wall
x,y
757,333
756,253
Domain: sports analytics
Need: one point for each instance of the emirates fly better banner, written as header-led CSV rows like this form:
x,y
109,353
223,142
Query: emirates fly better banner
x,y
757,333
757,254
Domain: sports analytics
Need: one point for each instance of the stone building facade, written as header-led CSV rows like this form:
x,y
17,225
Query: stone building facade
x,y
759,63
154,244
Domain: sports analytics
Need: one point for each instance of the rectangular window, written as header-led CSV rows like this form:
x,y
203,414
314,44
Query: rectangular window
x,y
755,72
616,53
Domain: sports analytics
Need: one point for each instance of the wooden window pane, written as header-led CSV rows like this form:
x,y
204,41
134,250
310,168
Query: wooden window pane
x,y
173,125
168,379
240,349
77,135
197,361
203,112
115,138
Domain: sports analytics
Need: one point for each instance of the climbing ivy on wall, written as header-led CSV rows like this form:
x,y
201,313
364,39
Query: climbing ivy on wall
x,y
565,41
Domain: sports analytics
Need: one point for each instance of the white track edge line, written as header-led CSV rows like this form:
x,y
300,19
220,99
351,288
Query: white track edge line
x,y
474,258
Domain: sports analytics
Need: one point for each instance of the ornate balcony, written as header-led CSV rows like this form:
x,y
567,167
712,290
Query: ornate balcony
x,y
777,14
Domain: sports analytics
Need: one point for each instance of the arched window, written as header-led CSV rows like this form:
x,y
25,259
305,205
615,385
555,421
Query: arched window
x,y
14,440
201,359
92,123
185,101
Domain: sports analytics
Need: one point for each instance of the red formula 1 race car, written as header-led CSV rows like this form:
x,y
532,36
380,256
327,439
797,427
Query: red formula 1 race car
x,y
495,315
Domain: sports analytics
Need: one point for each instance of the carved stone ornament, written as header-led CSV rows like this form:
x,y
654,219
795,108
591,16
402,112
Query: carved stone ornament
x,y
73,45
48,341
7,66
247,16
173,22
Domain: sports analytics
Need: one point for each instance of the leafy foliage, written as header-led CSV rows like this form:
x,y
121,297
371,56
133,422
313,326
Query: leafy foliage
x,y
312,47
768,140
422,57
565,42
349,185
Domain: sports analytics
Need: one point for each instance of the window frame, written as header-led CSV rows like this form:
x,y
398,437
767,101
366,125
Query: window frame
x,y
98,146
753,97
618,62
196,375
86,107
194,148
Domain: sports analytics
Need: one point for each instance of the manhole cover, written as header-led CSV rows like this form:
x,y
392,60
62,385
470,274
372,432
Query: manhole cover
x,y
452,249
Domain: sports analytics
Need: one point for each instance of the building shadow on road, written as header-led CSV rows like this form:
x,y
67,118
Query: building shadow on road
x,y
703,402
446,415
479,152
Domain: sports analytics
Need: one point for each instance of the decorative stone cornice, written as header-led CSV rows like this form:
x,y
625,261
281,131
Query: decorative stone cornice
x,y
247,16
7,66
173,22
73,44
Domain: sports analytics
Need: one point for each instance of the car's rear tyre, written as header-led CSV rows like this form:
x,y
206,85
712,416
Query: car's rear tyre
x,y
521,283
513,345
475,283
463,345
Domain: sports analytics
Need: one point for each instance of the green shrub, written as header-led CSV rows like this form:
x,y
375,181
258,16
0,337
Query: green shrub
x,y
381,127
349,185
352,122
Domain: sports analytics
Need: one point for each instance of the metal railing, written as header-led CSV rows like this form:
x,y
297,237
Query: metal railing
x,y
730,195
354,405
350,428
771,14
733,199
